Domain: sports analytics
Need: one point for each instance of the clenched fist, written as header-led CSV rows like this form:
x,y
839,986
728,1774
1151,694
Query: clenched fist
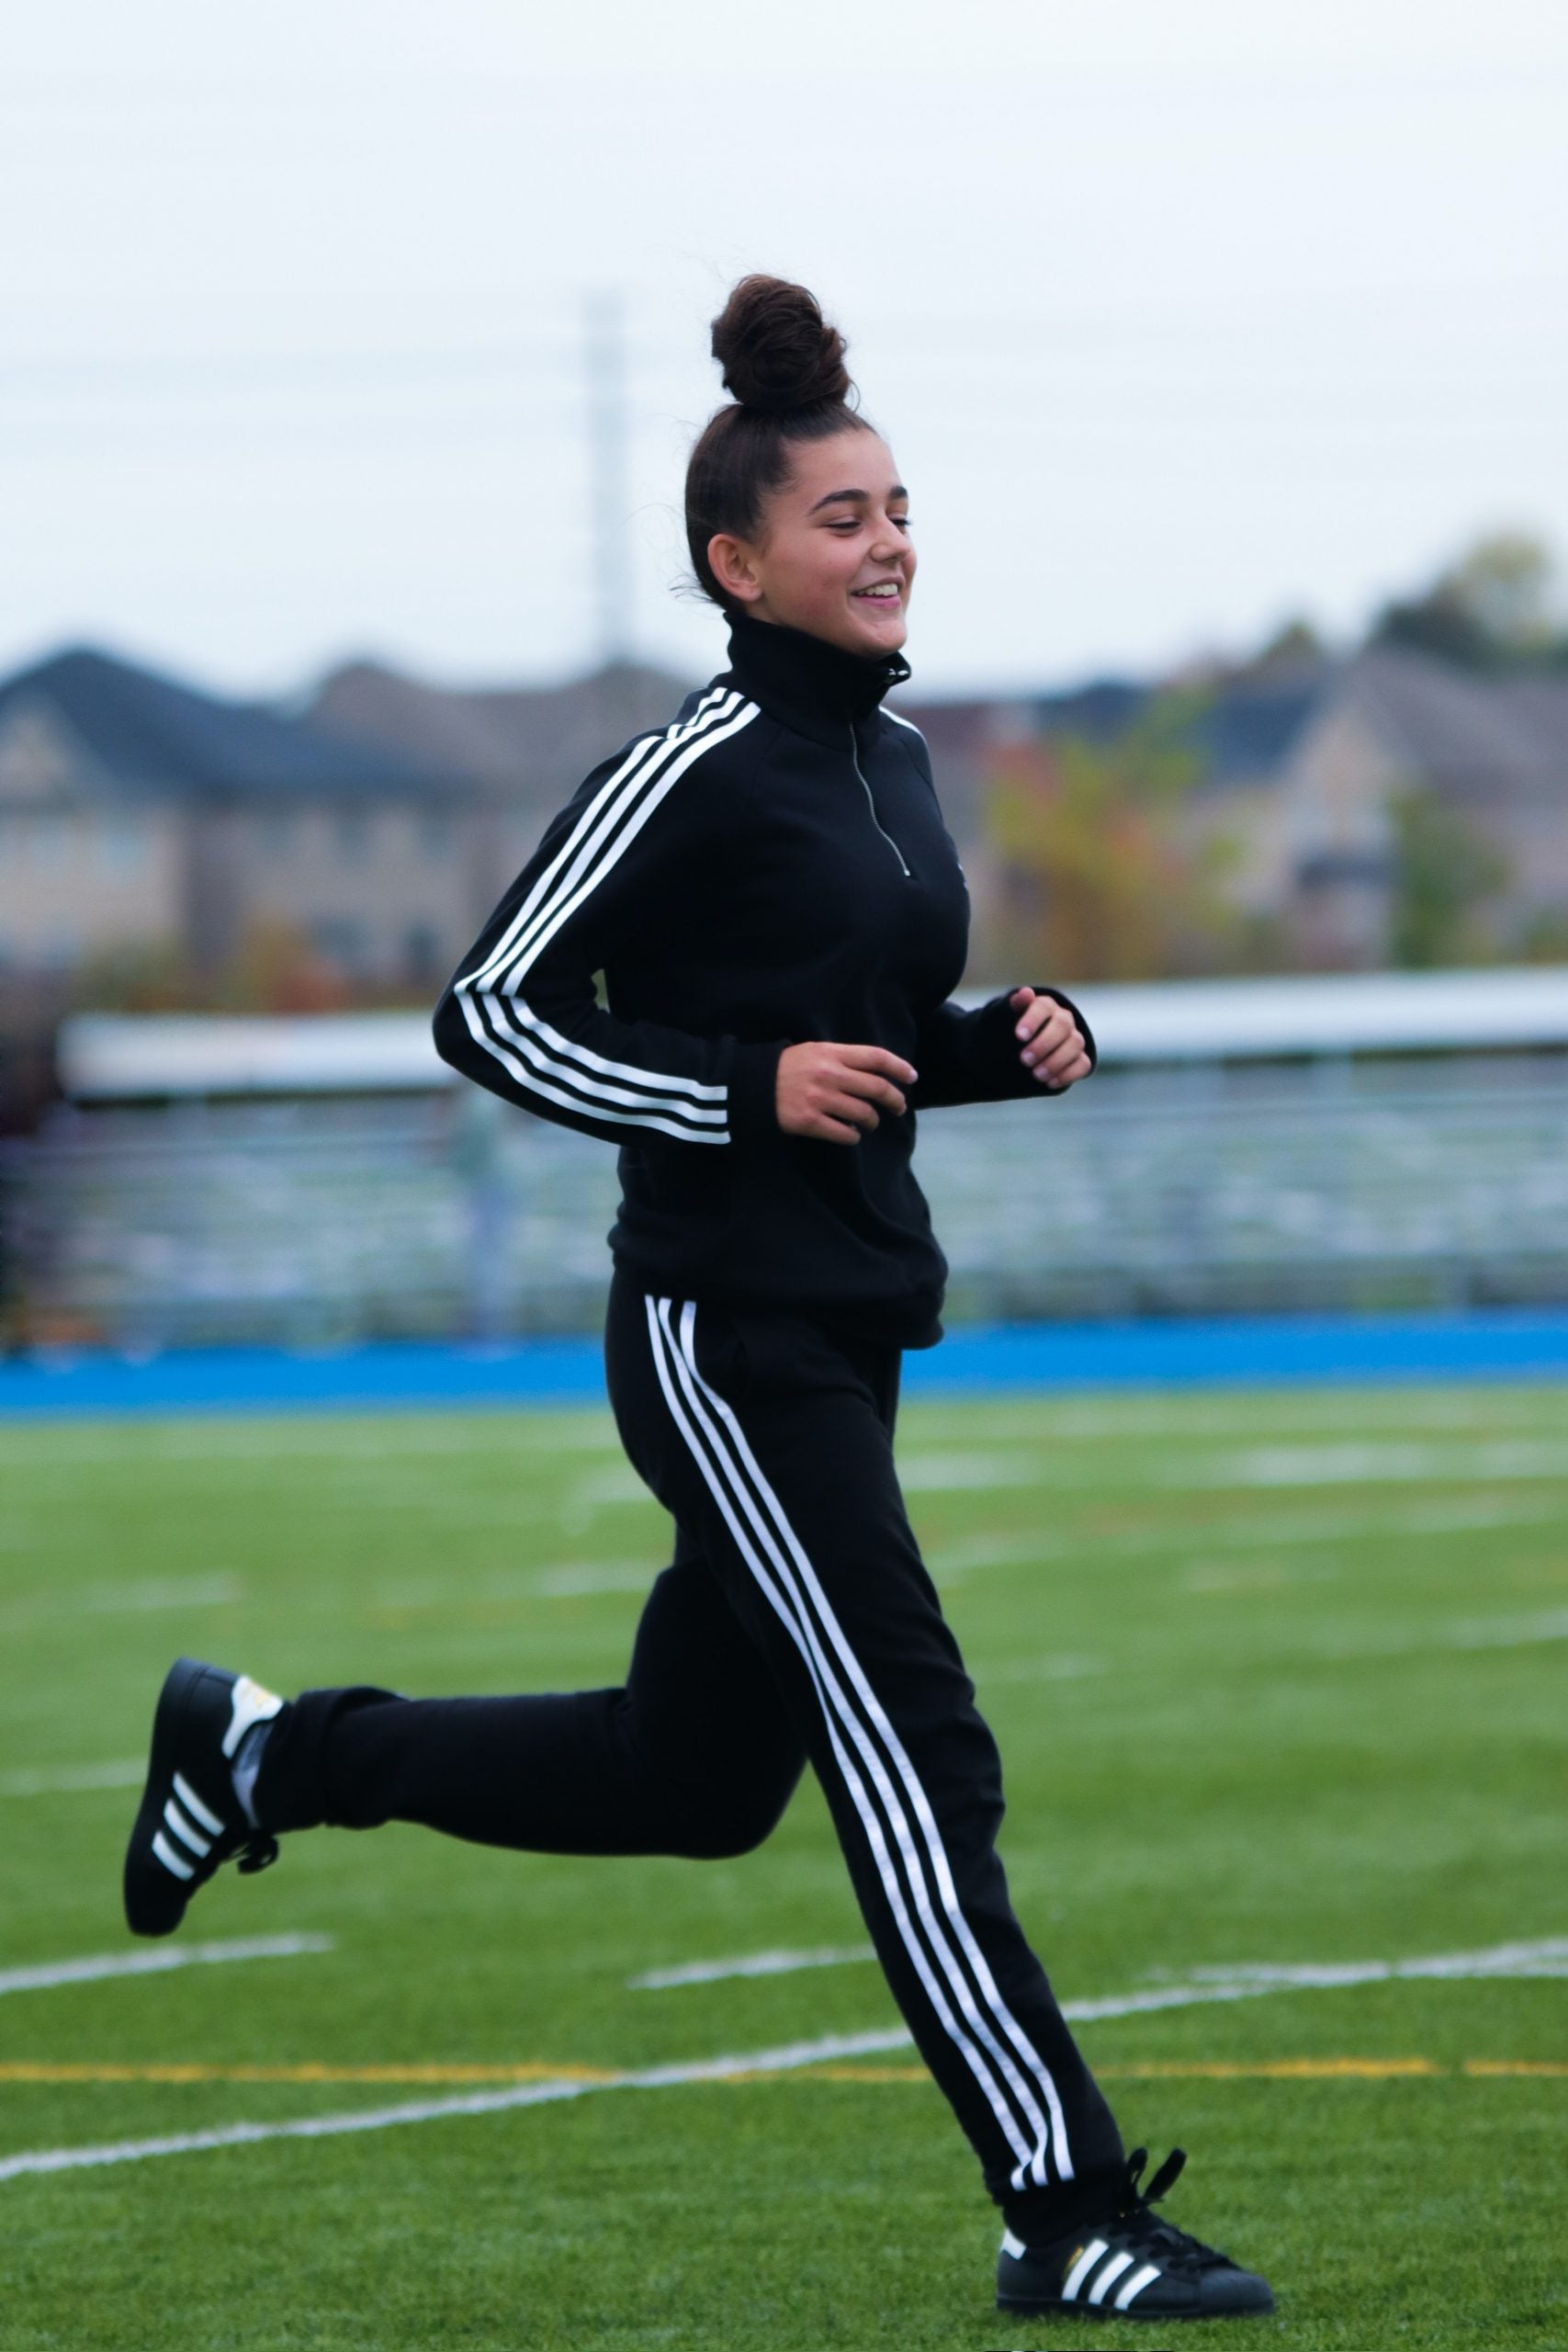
x,y
1051,1045
835,1092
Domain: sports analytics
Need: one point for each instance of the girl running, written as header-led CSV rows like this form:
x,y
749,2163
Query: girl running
x,y
780,918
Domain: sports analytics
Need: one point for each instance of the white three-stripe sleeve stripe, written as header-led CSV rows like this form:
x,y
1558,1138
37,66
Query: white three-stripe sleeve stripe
x,y
796,1596
584,879
572,1062
637,758
1024,2069
616,1090
587,835
740,1520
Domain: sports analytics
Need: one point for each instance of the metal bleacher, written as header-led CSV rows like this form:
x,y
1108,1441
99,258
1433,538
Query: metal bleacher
x,y
1392,1141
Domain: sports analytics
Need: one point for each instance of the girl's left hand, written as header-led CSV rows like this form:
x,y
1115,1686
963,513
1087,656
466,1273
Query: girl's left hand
x,y
1050,1042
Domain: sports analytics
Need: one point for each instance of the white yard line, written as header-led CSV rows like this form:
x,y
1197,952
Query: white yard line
x,y
1547,1958
756,1964
382,2119
64,1779
157,1962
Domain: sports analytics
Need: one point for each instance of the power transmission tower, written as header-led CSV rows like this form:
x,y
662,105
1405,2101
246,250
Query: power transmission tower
x,y
604,353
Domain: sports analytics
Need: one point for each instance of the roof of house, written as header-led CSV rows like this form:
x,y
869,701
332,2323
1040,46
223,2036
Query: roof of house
x,y
531,743
1470,735
152,735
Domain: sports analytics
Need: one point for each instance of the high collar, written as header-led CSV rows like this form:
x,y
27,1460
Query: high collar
x,y
814,687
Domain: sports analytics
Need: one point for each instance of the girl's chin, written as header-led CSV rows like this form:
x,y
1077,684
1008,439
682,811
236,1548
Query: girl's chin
x,y
885,628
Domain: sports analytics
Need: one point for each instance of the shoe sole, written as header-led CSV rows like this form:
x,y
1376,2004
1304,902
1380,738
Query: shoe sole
x,y
150,1891
1058,2310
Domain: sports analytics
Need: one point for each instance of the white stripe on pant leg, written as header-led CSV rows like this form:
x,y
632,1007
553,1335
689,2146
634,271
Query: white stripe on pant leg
x,y
837,1716
1024,2049
814,1667
1031,2160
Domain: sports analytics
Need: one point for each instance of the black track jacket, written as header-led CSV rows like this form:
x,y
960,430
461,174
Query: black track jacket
x,y
771,869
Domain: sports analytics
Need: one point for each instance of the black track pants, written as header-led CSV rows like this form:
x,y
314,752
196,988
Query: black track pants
x,y
797,1622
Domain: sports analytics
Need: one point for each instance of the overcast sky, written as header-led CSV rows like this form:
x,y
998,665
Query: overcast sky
x,y
1182,315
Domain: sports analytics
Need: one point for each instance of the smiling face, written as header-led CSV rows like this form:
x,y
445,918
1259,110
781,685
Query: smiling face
x,y
832,554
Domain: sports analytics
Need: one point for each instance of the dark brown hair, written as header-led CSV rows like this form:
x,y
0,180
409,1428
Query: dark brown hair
x,y
785,367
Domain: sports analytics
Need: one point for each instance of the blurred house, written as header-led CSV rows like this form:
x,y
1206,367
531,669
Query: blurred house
x,y
1303,771
135,812
524,751
379,818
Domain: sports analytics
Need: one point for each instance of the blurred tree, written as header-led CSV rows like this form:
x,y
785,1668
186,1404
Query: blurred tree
x,y
278,970
136,976
1295,645
274,969
1100,877
1444,871
1490,610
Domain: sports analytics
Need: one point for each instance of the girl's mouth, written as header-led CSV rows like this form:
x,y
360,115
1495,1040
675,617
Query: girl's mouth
x,y
883,592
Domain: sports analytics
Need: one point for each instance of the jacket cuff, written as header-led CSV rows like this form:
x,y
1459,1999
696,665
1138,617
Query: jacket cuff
x,y
753,1093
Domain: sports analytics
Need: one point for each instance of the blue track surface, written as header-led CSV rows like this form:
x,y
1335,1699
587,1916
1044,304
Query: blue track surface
x,y
425,1375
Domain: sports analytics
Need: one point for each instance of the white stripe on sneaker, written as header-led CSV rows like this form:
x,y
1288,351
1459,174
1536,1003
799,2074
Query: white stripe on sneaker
x,y
1108,2276
1015,2246
183,1830
194,1806
250,1703
169,1860
1137,2283
1094,2252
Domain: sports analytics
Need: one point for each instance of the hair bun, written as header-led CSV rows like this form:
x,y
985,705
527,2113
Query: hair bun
x,y
776,350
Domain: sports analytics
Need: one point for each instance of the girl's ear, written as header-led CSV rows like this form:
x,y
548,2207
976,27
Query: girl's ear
x,y
734,568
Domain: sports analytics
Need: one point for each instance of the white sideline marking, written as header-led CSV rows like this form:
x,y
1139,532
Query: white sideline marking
x,y
1547,1958
430,2110
1351,1464
157,1962
1259,1533
68,1777
1357,1464
756,1964
608,1576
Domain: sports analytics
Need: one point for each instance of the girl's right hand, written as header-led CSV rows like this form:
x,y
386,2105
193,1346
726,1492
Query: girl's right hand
x,y
833,1092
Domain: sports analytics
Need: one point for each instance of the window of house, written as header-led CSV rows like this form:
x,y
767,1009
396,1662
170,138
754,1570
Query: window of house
x,y
423,959
50,844
122,845
342,941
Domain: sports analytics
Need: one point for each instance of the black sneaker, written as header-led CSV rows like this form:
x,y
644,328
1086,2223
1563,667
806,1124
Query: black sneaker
x,y
190,1818
1131,2266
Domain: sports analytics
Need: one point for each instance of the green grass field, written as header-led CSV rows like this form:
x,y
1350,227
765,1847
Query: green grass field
x,y
1278,1679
